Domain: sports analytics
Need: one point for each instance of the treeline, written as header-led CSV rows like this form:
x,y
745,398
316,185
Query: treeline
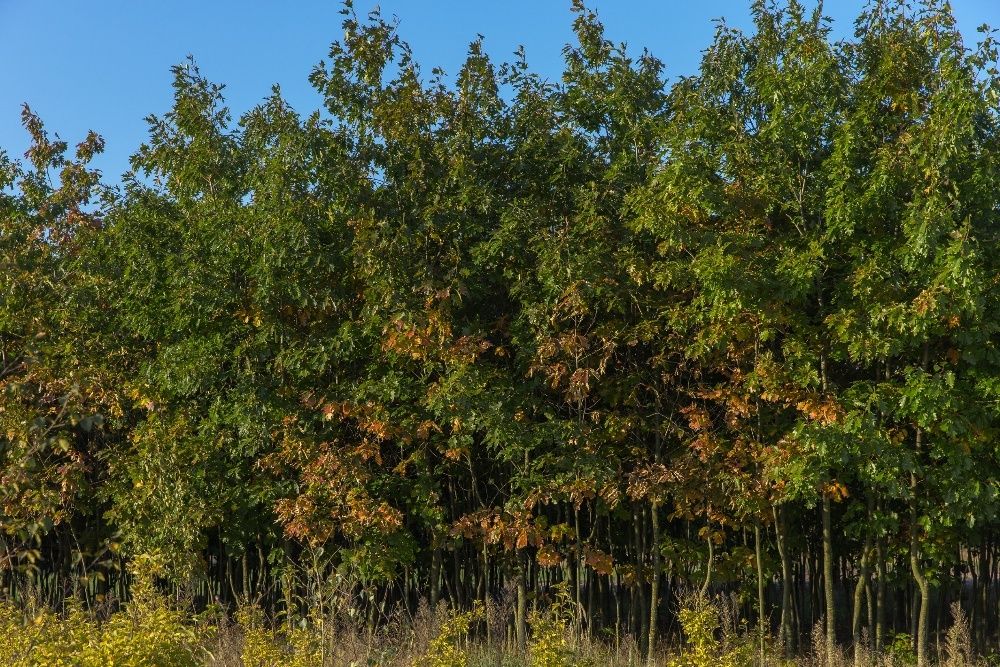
x,y
467,337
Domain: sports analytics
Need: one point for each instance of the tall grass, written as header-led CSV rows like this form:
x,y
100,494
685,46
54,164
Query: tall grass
x,y
152,630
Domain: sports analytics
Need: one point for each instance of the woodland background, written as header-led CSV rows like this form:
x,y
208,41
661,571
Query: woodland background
x,y
601,340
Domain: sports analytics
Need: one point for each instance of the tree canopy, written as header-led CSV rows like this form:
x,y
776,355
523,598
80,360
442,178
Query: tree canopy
x,y
448,334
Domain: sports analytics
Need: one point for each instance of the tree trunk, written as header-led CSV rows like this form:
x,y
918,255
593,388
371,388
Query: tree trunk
x,y
708,566
880,593
638,520
761,616
780,529
435,576
654,589
920,579
286,585
521,612
859,590
578,573
828,592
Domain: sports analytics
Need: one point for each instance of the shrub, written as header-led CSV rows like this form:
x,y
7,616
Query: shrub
x,y
147,633
445,649
550,644
261,647
700,621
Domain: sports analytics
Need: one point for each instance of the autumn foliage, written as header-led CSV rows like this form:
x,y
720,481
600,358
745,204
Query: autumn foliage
x,y
474,335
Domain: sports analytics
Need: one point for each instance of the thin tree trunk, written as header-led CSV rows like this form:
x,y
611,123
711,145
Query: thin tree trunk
x,y
828,591
577,572
921,581
521,612
761,616
435,575
654,589
708,566
919,577
859,590
780,529
639,519
880,597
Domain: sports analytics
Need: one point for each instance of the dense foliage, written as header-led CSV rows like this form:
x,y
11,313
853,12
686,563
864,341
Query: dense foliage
x,y
459,337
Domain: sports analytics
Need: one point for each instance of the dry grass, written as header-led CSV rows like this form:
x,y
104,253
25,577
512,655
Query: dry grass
x,y
716,636
404,643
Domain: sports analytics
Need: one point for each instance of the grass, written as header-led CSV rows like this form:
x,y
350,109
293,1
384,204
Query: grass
x,y
150,630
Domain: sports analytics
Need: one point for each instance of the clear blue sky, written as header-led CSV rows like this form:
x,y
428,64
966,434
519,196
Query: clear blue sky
x,y
104,64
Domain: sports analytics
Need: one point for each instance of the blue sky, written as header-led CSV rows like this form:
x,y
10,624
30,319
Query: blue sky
x,y
104,64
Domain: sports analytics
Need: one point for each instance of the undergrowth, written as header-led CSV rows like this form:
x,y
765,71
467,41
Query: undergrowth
x,y
151,630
